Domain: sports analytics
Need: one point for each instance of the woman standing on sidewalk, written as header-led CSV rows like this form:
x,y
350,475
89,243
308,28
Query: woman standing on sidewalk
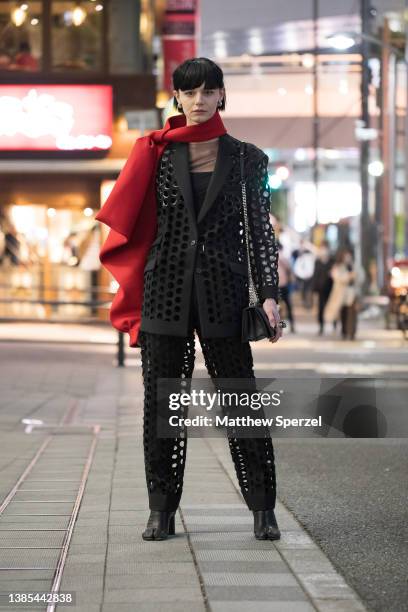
x,y
195,277
343,299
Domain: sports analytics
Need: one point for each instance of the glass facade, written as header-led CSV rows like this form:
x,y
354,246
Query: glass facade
x,y
53,35
77,35
21,36
70,36
48,261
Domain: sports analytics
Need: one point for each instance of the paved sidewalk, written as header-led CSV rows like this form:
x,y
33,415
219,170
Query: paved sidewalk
x,y
213,563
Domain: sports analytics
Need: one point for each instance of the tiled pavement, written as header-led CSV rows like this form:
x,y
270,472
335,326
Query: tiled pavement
x,y
213,563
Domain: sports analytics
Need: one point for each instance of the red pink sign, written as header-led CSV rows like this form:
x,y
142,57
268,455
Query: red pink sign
x,y
55,117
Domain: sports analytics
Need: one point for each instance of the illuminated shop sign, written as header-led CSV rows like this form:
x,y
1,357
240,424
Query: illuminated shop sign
x,y
55,117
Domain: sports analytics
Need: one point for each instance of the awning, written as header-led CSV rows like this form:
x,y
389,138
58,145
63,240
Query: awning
x,y
102,167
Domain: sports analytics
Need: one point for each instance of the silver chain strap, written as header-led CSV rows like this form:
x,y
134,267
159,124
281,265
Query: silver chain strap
x,y
253,295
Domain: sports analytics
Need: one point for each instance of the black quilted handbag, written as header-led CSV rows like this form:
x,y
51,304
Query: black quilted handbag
x,y
255,322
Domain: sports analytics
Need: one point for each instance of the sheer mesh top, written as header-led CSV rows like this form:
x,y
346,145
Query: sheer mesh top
x,y
203,155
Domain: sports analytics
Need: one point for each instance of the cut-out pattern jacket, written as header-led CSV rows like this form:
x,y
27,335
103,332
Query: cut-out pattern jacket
x,y
207,253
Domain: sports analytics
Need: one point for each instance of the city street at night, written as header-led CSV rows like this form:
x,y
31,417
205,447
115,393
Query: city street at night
x,y
204,305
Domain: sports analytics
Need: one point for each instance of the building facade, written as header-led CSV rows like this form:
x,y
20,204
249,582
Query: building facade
x,y
76,89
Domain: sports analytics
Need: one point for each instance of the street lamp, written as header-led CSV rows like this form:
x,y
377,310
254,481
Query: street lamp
x,y
340,41
376,168
344,41
384,170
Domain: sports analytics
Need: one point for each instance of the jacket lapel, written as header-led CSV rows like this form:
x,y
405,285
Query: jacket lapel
x,y
222,167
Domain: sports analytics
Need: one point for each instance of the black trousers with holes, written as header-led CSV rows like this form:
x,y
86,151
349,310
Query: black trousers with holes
x,y
166,356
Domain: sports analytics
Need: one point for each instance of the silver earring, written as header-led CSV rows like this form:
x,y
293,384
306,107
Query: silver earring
x,y
179,107
219,104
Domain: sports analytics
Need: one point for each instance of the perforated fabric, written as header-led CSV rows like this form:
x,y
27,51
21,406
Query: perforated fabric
x,y
209,249
173,357
264,253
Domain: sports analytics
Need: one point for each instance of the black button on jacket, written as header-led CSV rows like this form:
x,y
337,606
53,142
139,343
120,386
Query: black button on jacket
x,y
207,252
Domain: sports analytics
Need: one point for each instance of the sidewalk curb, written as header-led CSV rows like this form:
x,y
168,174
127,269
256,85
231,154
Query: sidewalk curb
x,y
322,583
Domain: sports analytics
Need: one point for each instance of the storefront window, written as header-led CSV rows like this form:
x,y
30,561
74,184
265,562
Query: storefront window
x,y
49,259
20,36
77,33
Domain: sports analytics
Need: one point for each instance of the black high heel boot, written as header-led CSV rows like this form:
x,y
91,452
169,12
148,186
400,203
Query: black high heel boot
x,y
160,525
265,525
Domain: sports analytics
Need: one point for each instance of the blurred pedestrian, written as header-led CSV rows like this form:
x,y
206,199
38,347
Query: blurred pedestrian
x,y
5,60
303,269
322,281
343,299
285,277
11,248
71,249
89,262
24,60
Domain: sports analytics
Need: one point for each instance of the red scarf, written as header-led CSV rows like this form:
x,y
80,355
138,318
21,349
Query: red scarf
x,y
131,213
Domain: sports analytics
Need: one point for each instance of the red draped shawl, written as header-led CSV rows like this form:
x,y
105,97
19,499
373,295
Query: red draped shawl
x,y
130,211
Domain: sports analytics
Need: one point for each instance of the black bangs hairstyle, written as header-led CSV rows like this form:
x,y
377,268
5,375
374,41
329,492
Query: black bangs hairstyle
x,y
195,71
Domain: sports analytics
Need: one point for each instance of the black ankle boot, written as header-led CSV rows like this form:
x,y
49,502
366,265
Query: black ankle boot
x,y
159,525
265,525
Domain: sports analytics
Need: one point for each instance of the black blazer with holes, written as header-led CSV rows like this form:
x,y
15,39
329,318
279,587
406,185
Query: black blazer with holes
x,y
208,253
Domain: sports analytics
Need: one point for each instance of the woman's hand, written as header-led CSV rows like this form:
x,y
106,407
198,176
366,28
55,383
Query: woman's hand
x,y
272,310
